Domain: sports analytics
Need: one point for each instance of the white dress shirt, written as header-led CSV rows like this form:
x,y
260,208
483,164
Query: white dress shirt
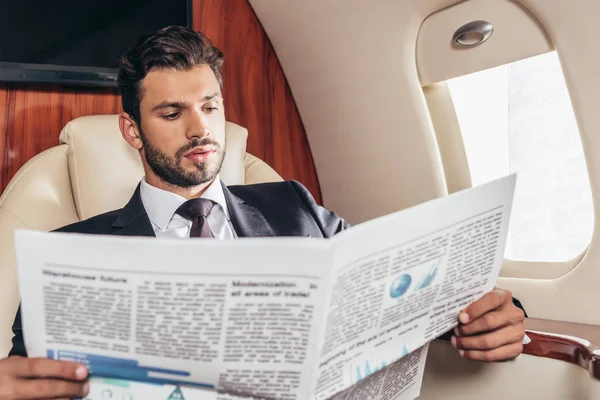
x,y
161,205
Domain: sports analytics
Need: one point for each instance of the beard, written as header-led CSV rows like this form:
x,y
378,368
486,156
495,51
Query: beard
x,y
169,169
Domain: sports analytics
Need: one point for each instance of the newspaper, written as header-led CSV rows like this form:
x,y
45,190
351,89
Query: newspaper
x,y
276,318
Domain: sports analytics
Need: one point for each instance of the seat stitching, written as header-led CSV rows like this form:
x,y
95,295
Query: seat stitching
x,y
73,156
15,217
20,174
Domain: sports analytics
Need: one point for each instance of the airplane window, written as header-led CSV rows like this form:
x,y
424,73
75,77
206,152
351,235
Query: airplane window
x,y
519,118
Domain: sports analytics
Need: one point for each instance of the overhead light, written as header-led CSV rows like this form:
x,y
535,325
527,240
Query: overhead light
x,y
473,34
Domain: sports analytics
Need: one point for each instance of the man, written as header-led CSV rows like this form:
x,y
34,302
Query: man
x,y
170,84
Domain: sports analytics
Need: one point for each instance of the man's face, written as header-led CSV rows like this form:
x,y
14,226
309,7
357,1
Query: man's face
x,y
183,125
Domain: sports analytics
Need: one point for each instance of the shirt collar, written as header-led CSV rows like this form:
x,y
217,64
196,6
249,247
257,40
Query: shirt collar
x,y
161,204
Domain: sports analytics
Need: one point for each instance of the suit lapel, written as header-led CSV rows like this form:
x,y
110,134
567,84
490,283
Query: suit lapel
x,y
247,221
133,219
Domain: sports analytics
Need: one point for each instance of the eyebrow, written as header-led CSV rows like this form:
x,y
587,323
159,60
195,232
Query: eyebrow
x,y
212,96
169,104
181,104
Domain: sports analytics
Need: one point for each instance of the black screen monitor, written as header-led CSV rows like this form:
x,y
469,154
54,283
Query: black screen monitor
x,y
77,41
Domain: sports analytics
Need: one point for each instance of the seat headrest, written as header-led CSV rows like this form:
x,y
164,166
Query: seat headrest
x,y
105,170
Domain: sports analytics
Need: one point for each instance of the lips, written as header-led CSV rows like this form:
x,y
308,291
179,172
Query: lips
x,y
199,154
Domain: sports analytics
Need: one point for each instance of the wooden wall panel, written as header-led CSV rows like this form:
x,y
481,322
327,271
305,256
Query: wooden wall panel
x,y
3,134
33,116
255,90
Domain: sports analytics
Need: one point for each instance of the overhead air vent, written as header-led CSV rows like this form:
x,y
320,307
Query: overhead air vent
x,y
450,41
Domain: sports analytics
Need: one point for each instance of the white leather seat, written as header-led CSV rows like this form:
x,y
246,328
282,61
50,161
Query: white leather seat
x,y
91,171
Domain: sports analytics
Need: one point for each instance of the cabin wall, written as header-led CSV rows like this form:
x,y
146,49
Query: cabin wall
x,y
255,90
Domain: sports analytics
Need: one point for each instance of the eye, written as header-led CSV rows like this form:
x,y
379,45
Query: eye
x,y
171,117
210,109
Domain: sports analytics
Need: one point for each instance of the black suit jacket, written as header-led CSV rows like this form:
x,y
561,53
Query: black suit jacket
x,y
268,209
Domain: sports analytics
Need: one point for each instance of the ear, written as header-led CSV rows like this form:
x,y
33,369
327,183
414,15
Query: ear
x,y
130,131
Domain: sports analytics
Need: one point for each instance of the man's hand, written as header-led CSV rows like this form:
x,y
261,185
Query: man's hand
x,y
490,329
39,378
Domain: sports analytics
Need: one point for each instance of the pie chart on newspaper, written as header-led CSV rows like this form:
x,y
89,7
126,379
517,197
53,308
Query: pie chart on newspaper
x,y
400,286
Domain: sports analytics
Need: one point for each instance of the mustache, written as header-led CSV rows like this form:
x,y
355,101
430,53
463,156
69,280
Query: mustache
x,y
197,143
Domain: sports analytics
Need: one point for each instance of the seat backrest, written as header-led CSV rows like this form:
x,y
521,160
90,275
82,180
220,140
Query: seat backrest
x,y
91,171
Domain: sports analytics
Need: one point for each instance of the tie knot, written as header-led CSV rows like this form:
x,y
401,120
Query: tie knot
x,y
195,208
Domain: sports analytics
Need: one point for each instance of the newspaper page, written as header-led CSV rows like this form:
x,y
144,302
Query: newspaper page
x,y
399,283
273,318
240,316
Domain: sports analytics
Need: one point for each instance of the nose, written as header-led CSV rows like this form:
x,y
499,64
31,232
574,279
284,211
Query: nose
x,y
198,126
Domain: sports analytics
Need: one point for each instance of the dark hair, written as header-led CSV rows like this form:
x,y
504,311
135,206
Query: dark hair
x,y
173,47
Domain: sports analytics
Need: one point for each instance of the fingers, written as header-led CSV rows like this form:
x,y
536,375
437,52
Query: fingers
x,y
508,315
59,398
45,368
30,378
50,388
487,303
503,353
491,328
492,340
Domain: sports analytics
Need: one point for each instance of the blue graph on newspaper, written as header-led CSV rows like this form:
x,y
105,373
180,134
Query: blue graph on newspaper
x,y
428,278
128,369
363,367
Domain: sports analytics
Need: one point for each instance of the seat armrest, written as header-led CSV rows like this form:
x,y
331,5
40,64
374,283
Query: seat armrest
x,y
575,343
